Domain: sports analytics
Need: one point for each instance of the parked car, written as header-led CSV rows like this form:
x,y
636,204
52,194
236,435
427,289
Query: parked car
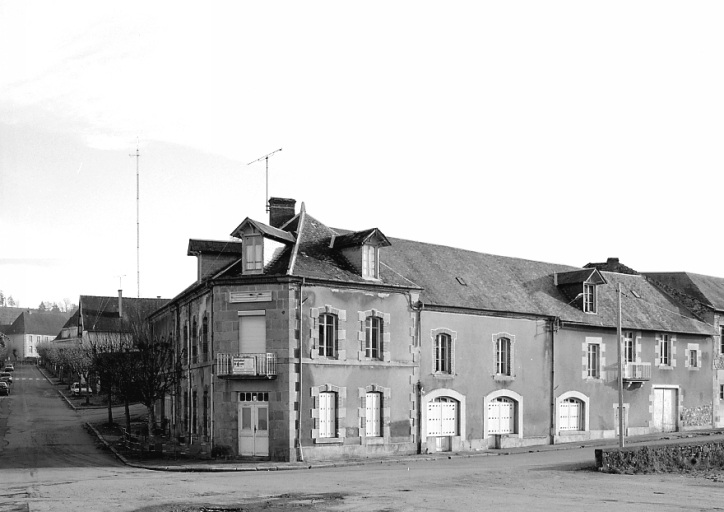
x,y
4,389
9,368
6,377
77,389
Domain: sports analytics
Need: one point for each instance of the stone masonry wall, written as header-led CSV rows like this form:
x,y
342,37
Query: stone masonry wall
x,y
662,458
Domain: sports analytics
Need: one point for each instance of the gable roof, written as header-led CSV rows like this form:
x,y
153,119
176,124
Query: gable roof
x,y
266,230
9,314
708,290
586,275
38,322
100,314
357,238
214,246
513,285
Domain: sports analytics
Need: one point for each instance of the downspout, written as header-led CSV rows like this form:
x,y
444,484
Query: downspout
x,y
213,368
417,307
187,330
300,452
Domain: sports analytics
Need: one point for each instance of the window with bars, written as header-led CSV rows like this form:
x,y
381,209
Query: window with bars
x,y
327,335
503,356
443,353
373,337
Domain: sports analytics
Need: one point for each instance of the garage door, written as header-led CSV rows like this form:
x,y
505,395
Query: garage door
x,y
501,416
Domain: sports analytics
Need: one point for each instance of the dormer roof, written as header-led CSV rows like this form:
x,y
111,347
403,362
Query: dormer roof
x,y
357,238
586,275
197,247
269,232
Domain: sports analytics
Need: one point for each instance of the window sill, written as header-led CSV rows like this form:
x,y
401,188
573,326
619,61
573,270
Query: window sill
x,y
665,367
694,368
329,440
503,378
443,376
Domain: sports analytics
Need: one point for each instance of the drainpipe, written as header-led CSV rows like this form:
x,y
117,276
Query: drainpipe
x,y
210,333
300,452
417,307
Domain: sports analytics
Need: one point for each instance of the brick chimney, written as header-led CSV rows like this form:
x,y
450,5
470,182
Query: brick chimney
x,y
281,210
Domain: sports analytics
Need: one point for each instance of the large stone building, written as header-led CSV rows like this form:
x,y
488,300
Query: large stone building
x,y
302,341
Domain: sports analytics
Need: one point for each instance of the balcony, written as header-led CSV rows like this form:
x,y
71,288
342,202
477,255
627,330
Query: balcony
x,y
246,366
635,374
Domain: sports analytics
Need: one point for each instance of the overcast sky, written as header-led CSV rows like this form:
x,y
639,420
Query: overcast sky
x,y
564,132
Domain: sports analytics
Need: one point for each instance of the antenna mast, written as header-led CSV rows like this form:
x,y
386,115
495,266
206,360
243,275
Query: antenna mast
x,y
266,157
138,225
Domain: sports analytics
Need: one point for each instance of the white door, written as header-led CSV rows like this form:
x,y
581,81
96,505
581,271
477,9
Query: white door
x,y
665,407
501,416
442,421
253,429
570,414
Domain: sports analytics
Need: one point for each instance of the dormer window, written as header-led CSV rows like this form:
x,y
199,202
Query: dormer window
x,y
589,298
253,254
369,261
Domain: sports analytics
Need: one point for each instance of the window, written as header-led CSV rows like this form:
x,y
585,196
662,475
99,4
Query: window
x,y
629,348
205,430
205,338
589,298
721,339
503,349
721,391
443,353
693,358
327,414
373,337
593,365
664,350
253,254
186,341
194,342
373,408
369,261
194,411
327,335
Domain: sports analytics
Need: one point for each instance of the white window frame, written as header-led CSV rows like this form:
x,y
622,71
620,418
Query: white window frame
x,y
504,367
328,327
589,298
328,413
374,334
666,351
692,356
442,350
373,414
593,362
253,256
370,263
629,347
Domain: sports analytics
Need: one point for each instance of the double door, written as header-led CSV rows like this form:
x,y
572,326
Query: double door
x,y
254,429
665,409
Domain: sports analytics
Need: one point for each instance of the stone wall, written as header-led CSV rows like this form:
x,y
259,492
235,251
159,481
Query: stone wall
x,y
662,458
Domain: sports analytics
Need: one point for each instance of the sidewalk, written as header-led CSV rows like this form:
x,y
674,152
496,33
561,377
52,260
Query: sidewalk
x,y
200,465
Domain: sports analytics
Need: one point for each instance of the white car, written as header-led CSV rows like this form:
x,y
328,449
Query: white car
x,y
77,389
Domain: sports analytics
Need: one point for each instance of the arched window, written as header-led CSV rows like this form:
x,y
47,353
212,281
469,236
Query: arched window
x,y
503,356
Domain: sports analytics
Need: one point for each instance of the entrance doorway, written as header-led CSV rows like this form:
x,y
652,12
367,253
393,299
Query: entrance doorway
x,y
665,409
253,425
442,422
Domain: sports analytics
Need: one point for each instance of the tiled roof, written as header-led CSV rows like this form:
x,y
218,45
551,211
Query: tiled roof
x,y
708,290
513,285
38,322
100,314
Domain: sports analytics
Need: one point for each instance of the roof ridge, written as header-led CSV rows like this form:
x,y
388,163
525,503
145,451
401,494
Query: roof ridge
x,y
295,249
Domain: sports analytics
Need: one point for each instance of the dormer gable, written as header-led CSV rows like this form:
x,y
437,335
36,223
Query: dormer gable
x,y
580,287
261,244
361,249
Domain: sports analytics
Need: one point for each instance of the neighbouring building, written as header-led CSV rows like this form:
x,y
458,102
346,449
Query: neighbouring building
x,y
302,341
30,328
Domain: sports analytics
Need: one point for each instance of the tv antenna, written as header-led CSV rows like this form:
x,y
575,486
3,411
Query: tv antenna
x,y
266,158
137,156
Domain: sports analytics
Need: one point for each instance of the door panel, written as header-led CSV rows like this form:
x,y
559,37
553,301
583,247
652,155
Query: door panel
x,y
253,430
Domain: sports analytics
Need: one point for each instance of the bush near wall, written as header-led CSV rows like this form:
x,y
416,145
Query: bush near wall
x,y
663,458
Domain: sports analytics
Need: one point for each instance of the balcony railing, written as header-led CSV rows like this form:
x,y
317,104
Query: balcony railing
x,y
246,366
637,371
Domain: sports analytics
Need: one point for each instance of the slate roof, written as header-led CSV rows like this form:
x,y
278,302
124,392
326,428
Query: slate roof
x,y
708,290
9,314
269,231
214,246
100,314
356,238
38,322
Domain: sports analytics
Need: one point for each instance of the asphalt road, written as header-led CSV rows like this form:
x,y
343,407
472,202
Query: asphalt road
x,y
48,462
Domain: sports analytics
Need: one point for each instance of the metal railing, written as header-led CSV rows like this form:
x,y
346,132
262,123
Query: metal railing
x,y
249,365
637,371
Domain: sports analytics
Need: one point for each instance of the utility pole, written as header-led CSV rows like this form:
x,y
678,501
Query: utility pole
x,y
266,158
138,224
620,373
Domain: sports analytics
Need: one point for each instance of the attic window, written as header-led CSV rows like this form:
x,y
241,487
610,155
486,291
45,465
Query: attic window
x,y
589,298
635,294
461,281
369,261
253,254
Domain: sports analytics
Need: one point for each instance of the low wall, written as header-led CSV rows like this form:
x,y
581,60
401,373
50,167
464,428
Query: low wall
x,y
663,458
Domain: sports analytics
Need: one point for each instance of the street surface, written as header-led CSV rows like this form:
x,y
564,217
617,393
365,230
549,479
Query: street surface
x,y
48,462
